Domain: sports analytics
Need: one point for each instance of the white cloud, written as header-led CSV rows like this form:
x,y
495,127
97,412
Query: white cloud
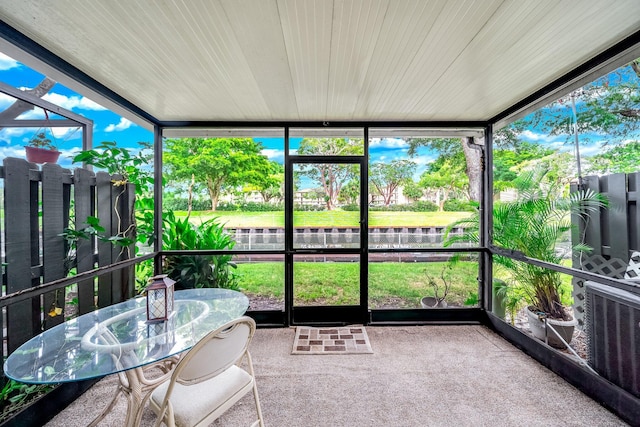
x,y
6,101
12,151
7,63
388,143
71,102
34,114
11,135
590,150
274,155
122,125
21,136
424,160
540,137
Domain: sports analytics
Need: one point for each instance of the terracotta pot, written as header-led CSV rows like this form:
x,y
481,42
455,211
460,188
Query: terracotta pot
x,y
41,155
431,302
563,327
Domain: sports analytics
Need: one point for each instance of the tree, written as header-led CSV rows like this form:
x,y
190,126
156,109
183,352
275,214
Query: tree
x,y
412,190
350,193
331,176
271,187
445,176
387,177
620,159
608,107
506,161
451,147
217,162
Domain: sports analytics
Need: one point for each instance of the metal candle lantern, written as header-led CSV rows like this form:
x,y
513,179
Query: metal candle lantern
x,y
159,298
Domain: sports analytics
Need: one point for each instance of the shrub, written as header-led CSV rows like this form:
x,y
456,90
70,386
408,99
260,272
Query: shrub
x,y
458,205
424,206
309,208
420,206
351,208
173,203
227,207
261,207
198,271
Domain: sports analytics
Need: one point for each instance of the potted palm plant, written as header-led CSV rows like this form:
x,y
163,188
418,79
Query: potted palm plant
x,y
533,225
41,149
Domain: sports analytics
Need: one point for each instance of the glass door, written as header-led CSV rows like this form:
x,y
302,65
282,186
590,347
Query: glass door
x,y
327,223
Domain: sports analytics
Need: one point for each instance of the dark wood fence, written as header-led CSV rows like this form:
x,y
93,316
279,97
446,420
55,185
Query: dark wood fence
x,y
613,233
39,204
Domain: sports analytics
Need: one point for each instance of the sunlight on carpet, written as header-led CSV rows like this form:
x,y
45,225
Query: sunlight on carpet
x,y
339,340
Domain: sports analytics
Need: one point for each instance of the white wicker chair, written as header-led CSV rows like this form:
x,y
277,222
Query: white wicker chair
x,y
209,378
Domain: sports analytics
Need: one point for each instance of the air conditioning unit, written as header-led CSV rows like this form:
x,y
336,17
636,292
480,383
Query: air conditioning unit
x,y
613,331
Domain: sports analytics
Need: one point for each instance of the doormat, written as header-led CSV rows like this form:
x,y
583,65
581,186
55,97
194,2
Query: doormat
x,y
341,340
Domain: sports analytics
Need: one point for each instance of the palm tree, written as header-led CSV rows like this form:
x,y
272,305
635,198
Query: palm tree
x,y
533,225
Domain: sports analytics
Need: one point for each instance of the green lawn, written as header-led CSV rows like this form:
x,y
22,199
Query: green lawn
x,y
327,218
391,284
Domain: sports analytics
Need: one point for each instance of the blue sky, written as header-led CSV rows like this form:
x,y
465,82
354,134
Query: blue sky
x,y
108,126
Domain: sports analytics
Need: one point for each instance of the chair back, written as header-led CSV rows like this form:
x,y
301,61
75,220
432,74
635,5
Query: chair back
x,y
216,352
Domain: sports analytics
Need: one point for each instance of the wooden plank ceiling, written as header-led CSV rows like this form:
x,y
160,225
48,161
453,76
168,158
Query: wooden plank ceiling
x,y
323,60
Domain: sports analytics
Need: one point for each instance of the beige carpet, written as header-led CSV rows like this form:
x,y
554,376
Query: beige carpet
x,y
417,376
341,340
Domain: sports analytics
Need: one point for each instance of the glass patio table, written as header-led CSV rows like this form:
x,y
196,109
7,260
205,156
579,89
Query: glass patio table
x,y
117,339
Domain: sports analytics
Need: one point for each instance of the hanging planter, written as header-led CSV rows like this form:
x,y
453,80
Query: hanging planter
x,y
41,155
40,148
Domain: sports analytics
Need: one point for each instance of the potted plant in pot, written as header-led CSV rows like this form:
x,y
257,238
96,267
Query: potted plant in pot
x,y
533,225
40,149
437,300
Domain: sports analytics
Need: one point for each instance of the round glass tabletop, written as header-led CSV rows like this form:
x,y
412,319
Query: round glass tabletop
x,y
118,337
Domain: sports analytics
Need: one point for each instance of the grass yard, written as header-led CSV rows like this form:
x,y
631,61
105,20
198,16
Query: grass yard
x,y
391,284
326,218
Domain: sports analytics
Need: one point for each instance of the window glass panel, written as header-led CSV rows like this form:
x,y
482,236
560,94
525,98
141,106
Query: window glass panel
x,y
231,178
562,181
326,280
423,280
261,279
326,141
326,212
420,190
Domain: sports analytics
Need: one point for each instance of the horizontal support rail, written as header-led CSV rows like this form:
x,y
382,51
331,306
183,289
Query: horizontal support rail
x,y
61,283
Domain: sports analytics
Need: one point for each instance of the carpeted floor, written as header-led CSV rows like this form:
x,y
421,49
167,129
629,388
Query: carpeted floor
x,y
347,340
417,376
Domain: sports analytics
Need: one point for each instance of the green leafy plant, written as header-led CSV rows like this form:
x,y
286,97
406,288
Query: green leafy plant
x,y
41,140
533,225
134,167
438,288
93,229
14,396
198,271
472,299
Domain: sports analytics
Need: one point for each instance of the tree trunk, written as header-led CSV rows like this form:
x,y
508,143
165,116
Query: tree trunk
x,y
20,106
214,193
190,196
473,157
